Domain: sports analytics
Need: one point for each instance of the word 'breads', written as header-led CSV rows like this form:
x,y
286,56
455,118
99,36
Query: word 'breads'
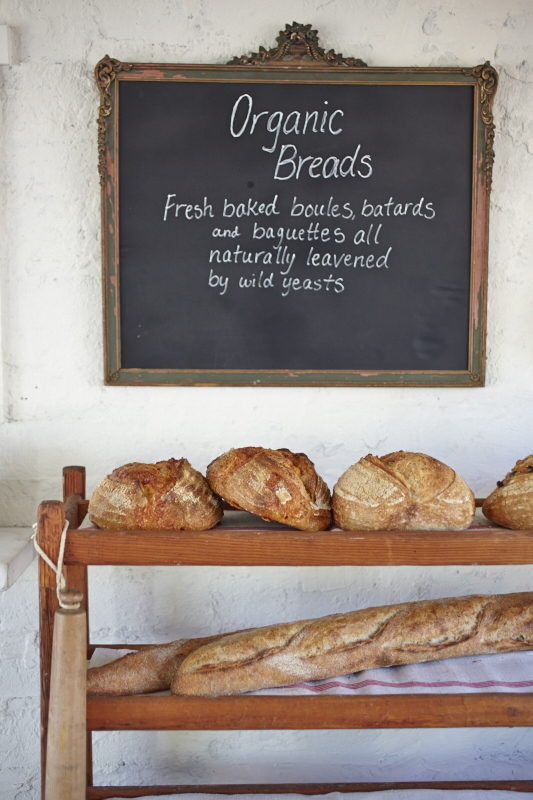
x,y
428,630
402,491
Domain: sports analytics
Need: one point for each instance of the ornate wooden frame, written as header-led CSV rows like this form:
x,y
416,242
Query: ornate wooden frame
x,y
297,58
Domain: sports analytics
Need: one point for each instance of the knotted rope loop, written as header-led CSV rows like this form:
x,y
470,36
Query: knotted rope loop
x,y
61,583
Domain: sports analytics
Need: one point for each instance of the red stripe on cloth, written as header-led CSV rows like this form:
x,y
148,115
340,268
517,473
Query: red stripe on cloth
x,y
324,687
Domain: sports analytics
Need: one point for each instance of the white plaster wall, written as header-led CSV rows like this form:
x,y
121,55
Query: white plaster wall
x,y
56,411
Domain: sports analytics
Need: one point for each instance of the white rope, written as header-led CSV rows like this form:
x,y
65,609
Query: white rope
x,y
61,583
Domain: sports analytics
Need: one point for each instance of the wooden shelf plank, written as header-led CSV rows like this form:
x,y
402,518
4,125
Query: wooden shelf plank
x,y
276,712
103,792
232,546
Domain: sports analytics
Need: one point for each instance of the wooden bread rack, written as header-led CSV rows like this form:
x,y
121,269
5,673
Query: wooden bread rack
x,y
268,547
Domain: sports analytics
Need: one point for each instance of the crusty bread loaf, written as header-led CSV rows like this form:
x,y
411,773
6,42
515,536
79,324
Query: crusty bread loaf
x,y
280,655
274,484
169,495
150,669
402,491
511,504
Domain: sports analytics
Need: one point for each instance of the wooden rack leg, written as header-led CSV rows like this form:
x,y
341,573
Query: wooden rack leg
x,y
50,523
73,483
67,720
76,574
73,491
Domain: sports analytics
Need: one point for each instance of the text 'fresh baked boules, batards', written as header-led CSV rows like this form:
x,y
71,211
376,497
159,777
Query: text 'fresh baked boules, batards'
x,y
402,491
511,504
274,484
169,495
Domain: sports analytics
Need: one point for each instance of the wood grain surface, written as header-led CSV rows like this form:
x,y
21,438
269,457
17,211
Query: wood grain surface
x,y
76,574
289,547
66,777
103,792
245,712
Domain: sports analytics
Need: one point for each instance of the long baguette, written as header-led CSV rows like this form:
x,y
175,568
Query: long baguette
x,y
427,630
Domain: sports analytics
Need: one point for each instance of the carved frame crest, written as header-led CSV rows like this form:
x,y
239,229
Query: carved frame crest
x,y
297,43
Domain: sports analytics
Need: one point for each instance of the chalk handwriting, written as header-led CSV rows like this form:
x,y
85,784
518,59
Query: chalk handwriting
x,y
290,163
392,209
347,259
276,122
189,211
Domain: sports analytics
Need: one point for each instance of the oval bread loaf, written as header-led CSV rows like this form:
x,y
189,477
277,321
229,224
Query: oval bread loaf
x,y
511,504
169,495
407,633
274,484
402,491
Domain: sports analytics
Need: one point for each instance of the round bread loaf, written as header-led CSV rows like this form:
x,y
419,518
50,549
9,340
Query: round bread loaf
x,y
511,504
169,495
404,492
274,484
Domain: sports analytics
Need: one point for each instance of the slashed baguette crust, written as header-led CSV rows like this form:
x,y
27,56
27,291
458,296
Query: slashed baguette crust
x,y
150,669
168,495
407,633
511,504
402,491
276,485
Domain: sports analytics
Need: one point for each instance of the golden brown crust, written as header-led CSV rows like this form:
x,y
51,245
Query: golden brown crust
x,y
274,484
402,491
150,669
169,495
511,504
407,633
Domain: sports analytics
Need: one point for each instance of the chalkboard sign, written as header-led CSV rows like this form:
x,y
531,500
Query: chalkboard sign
x,y
295,222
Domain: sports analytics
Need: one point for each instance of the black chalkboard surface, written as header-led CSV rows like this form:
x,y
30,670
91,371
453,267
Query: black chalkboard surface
x,y
274,226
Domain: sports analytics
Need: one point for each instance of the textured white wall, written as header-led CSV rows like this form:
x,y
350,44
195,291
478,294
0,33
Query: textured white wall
x,y
56,410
